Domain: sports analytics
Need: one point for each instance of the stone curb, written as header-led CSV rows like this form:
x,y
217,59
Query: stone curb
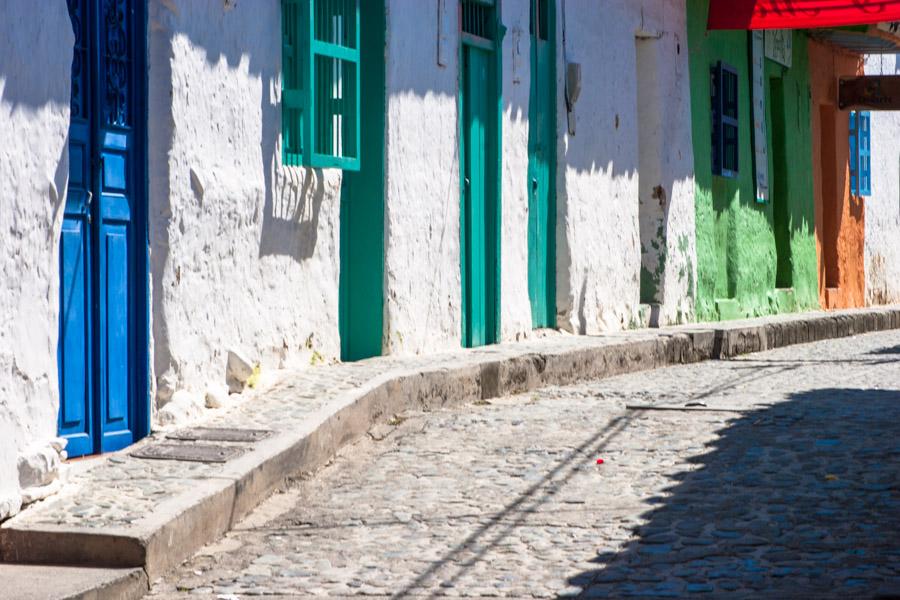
x,y
36,582
180,527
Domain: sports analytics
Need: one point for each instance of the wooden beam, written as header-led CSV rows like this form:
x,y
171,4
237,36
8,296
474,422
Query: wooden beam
x,y
872,92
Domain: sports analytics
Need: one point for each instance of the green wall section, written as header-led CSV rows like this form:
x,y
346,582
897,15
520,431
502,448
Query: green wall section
x,y
740,242
361,308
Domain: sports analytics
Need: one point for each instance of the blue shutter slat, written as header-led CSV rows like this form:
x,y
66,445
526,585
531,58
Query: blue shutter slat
x,y
865,154
854,155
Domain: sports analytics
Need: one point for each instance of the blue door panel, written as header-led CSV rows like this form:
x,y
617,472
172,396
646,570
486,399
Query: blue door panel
x,y
102,370
75,420
115,328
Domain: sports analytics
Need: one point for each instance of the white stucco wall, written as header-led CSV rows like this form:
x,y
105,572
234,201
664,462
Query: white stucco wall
x,y
599,245
515,310
422,205
598,238
244,251
35,66
883,206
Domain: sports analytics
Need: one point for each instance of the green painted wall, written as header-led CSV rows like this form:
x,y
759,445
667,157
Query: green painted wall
x,y
737,253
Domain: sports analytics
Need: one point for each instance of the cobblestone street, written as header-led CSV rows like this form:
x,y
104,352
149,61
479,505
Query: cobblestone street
x,y
774,475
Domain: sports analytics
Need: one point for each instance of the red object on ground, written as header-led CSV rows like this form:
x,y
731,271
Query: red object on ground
x,y
599,461
797,14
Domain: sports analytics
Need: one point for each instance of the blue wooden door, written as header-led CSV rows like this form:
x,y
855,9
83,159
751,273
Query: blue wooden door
x,y
102,338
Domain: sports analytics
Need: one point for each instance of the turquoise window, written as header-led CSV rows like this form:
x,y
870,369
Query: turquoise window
x,y
320,83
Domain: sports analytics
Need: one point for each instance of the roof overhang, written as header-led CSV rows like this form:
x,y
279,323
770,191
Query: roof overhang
x,y
871,39
800,14
859,26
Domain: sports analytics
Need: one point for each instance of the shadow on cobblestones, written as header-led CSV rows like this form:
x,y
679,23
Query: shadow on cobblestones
x,y
891,350
798,500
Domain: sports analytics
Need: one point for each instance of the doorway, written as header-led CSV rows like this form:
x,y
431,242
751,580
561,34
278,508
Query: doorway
x,y
831,200
361,304
479,160
781,212
542,166
103,323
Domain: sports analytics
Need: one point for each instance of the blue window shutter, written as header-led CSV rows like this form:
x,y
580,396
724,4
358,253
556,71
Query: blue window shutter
x,y
864,124
854,155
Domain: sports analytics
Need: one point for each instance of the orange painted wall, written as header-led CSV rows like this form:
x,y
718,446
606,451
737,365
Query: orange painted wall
x,y
840,218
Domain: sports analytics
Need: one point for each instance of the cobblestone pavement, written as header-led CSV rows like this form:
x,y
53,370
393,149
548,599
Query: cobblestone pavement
x,y
121,491
775,475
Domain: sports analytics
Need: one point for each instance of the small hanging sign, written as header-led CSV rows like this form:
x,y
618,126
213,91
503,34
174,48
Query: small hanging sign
x,y
780,46
872,92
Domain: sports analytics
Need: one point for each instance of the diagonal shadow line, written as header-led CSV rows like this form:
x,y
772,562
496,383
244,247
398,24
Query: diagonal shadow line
x,y
754,375
595,443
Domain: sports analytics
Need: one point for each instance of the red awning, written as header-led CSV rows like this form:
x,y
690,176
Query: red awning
x,y
799,14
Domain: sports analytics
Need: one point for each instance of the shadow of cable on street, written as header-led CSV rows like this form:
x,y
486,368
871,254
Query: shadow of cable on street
x,y
798,500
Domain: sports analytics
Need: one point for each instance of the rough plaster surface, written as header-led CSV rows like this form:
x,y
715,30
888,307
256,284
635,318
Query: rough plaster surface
x,y
35,65
883,206
244,251
422,215
840,223
515,311
599,186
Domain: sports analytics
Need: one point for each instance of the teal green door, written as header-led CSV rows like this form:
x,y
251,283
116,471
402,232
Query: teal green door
x,y
361,303
480,218
542,167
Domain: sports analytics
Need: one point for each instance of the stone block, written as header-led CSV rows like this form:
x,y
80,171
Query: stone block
x,y
216,396
238,370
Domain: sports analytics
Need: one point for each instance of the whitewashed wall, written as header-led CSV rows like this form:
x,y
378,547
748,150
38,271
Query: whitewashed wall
x,y
599,244
883,206
35,66
244,251
598,238
422,204
515,310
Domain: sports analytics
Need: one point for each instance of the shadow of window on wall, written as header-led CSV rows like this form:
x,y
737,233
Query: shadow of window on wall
x,y
291,213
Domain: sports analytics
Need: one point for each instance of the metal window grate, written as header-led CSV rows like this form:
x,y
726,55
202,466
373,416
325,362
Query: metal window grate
x,y
539,19
335,89
335,22
478,18
292,74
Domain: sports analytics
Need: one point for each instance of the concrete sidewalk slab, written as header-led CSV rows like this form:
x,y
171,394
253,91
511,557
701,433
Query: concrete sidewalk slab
x,y
40,582
122,512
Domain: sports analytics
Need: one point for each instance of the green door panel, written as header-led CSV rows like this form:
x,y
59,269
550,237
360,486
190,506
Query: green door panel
x,y
361,304
542,167
479,197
